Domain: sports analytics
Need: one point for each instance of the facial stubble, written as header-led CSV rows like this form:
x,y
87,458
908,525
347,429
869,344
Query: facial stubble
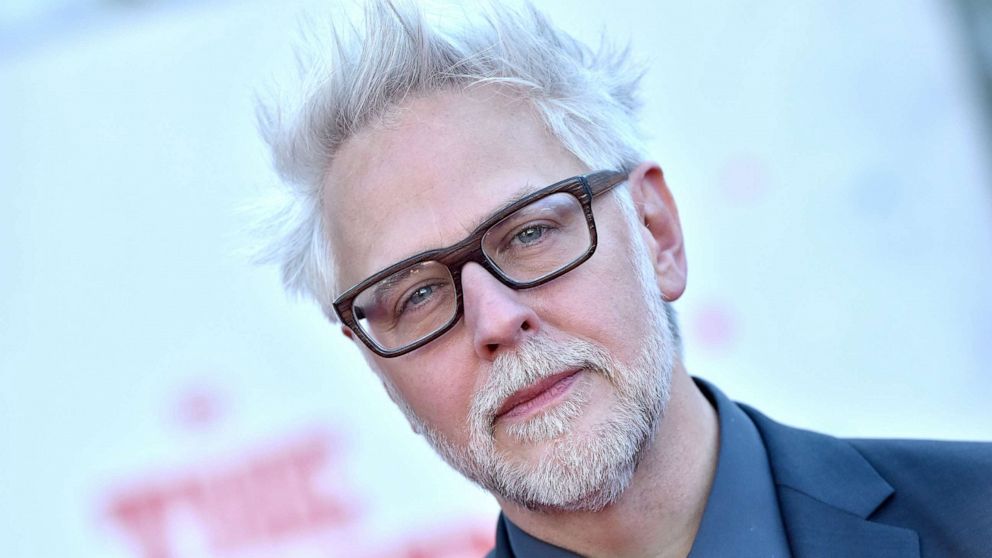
x,y
578,470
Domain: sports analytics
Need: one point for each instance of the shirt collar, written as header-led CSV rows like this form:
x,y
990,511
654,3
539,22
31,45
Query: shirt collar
x,y
524,545
741,517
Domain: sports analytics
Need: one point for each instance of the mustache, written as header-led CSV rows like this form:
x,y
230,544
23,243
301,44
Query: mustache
x,y
537,358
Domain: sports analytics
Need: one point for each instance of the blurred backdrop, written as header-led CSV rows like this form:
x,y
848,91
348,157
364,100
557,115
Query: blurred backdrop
x,y
162,398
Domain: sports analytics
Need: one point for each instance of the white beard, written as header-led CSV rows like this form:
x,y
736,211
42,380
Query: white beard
x,y
579,471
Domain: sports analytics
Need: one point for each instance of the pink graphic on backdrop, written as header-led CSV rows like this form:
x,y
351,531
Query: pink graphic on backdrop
x,y
464,540
198,407
262,497
714,327
291,490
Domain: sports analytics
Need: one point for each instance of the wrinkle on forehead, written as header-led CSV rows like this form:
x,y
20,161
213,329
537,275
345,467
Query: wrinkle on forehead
x,y
426,176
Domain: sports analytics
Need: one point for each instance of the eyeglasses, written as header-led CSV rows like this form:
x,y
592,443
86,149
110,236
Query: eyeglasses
x,y
535,239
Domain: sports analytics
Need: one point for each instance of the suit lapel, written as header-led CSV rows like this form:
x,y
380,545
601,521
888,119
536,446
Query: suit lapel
x,y
827,492
816,529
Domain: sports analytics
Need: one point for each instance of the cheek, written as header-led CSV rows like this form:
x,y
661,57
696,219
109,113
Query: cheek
x,y
438,383
601,300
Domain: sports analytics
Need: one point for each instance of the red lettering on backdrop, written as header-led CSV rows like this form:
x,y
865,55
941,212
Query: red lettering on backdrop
x,y
143,516
461,541
261,498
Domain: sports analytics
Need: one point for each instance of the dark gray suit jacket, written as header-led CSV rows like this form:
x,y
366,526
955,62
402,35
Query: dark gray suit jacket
x,y
872,498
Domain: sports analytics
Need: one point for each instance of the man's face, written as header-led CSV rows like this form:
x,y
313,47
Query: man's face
x,y
593,343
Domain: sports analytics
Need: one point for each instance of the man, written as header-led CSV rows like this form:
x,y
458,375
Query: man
x,y
475,211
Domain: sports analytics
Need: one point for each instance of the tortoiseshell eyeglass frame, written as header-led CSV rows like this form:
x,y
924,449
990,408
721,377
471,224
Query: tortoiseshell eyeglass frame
x,y
584,188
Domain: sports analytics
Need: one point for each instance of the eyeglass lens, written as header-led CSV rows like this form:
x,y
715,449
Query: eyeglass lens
x,y
529,244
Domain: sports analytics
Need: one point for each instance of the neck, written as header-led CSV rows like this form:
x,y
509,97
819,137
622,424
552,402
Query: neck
x,y
660,511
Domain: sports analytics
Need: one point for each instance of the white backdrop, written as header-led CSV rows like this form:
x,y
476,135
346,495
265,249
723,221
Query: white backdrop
x,y
164,398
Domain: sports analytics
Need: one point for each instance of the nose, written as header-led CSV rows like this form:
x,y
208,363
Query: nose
x,y
496,317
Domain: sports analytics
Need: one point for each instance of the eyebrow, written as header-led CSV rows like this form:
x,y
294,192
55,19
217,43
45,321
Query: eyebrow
x,y
516,196
387,285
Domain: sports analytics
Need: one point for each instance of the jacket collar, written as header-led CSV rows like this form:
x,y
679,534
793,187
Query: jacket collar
x,y
827,492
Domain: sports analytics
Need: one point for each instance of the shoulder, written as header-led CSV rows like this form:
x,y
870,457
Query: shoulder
x,y
940,490
935,469
942,480
897,460
928,458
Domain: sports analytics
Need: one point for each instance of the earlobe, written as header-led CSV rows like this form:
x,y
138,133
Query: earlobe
x,y
662,231
346,331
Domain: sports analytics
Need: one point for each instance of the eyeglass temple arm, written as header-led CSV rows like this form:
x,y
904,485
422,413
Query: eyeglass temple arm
x,y
604,181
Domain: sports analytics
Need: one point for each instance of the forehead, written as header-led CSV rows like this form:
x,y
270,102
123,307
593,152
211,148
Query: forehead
x,y
438,166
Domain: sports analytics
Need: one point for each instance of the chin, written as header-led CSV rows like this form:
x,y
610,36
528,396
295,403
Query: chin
x,y
585,469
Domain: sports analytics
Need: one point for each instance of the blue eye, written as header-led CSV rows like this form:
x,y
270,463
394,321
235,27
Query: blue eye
x,y
420,295
419,298
530,234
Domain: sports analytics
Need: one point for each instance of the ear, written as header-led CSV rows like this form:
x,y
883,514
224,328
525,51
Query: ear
x,y
661,230
346,331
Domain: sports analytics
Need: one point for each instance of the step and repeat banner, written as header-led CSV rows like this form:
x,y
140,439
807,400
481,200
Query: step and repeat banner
x,y
162,398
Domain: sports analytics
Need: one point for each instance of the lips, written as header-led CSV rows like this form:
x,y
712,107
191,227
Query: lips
x,y
535,394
